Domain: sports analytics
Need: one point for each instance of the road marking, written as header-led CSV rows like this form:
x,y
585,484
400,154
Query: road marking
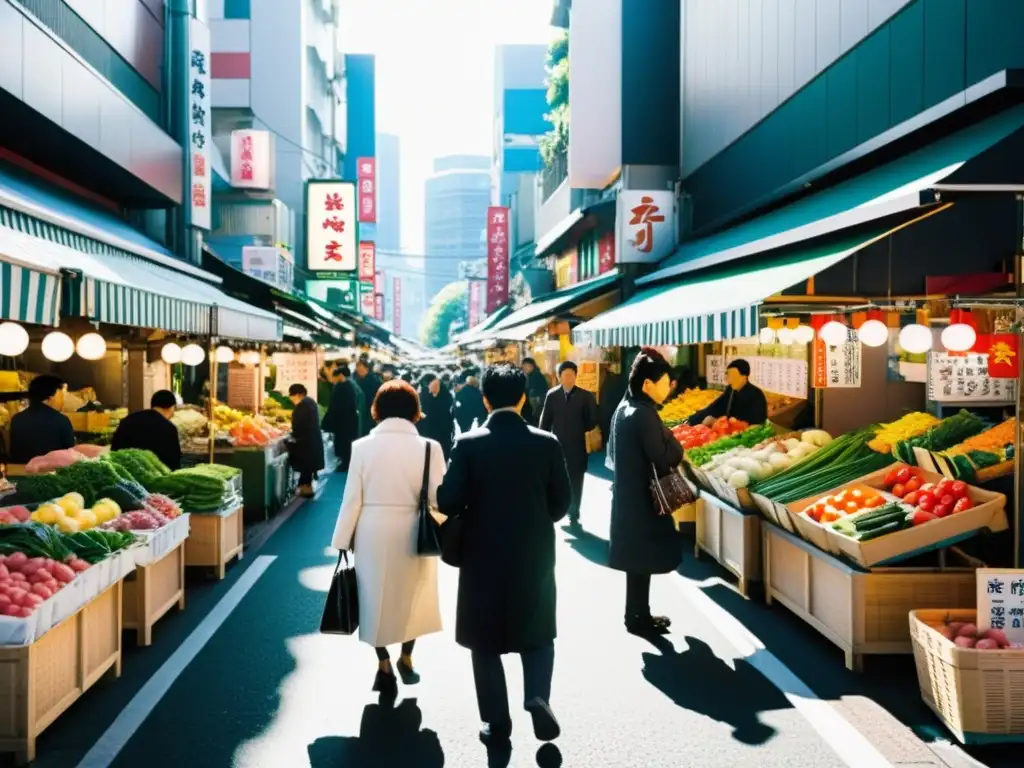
x,y
846,741
109,745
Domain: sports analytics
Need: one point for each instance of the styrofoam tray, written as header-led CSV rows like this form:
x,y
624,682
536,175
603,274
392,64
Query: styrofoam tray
x,y
156,544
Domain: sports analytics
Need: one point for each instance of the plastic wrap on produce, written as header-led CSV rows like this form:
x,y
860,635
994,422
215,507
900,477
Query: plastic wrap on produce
x,y
158,543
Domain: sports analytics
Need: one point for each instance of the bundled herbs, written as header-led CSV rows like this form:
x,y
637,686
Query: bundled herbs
x,y
203,488
141,466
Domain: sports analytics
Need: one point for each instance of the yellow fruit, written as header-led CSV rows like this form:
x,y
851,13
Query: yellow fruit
x,y
109,503
86,519
105,511
48,514
71,501
69,525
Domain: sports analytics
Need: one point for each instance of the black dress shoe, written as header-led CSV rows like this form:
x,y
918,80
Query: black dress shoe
x,y
385,682
648,625
545,726
496,735
409,675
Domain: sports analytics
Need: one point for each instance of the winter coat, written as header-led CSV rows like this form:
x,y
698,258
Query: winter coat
x,y
306,453
508,483
569,419
342,417
642,541
469,406
37,430
151,431
438,423
379,520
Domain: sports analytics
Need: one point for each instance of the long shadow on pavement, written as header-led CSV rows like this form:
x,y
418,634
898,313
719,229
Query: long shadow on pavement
x,y
388,736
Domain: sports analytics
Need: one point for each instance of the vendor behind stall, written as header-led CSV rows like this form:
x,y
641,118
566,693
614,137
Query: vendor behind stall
x,y
152,430
742,400
41,427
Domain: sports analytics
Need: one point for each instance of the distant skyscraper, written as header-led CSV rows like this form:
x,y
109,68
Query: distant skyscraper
x,y
389,219
456,200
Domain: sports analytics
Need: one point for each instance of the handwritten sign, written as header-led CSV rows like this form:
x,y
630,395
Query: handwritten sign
x,y
714,366
1001,601
296,368
783,376
965,379
837,367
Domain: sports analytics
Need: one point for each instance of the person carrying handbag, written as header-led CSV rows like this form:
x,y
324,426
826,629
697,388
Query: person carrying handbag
x,y
380,521
644,540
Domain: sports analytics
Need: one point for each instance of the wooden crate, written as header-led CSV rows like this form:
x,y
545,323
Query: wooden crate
x,y
861,611
215,540
731,537
151,591
39,682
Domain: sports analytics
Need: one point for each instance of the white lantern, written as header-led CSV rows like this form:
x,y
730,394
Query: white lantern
x,y
13,339
91,346
874,333
192,354
250,357
803,334
58,347
225,354
834,333
766,336
785,335
171,353
959,337
915,339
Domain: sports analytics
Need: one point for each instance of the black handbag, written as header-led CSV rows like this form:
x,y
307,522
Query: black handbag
x,y
670,492
341,612
428,537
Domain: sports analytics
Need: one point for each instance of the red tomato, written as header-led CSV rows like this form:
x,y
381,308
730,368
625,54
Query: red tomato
x,y
913,484
948,500
890,479
925,502
911,498
903,475
958,489
899,490
942,510
962,505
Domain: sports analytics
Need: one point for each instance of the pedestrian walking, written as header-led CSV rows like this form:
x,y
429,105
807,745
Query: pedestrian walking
x,y
368,383
438,421
378,521
536,390
306,450
342,417
508,484
469,404
642,541
569,413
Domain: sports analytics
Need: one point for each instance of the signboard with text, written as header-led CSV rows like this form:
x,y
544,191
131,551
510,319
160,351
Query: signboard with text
x,y
397,298
367,262
1001,601
645,225
606,253
331,243
497,257
781,375
367,305
476,302
366,170
966,379
837,367
251,160
200,126
378,307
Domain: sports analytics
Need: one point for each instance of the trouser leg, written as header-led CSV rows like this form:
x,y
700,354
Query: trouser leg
x,y
538,667
407,647
638,595
343,448
305,478
491,689
576,478
382,654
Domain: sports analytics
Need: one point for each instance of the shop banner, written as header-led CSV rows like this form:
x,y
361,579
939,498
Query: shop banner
x,y
331,244
714,369
645,223
1001,601
396,292
378,307
367,263
296,368
497,258
366,168
200,126
837,367
783,376
367,304
966,379
378,280
476,302
251,160
1002,350
606,253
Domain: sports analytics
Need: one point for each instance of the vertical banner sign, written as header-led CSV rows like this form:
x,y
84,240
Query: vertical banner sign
x,y
497,258
837,367
368,263
331,244
367,307
366,168
200,117
378,281
606,253
378,307
397,298
251,159
476,302
1002,350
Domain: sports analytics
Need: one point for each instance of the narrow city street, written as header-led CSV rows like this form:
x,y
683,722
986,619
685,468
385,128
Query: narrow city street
x,y
243,678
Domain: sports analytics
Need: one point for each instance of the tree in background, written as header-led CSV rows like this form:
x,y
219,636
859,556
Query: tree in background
x,y
556,141
449,307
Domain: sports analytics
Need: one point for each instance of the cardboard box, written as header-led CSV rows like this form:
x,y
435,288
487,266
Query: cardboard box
x,y
814,532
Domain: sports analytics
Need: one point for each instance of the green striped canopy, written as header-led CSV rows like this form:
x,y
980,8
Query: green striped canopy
x,y
28,295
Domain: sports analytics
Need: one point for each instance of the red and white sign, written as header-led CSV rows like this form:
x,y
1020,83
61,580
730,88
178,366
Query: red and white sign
x,y
476,302
378,281
366,174
497,257
367,306
251,160
378,306
397,299
836,367
331,226
606,253
200,126
645,222
367,262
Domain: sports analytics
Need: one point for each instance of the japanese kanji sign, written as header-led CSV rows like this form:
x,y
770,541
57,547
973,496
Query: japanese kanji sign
x,y
367,263
645,223
378,281
396,295
836,367
1003,350
331,242
251,159
378,307
967,378
497,257
606,253
476,302
366,174
1001,601
367,304
199,121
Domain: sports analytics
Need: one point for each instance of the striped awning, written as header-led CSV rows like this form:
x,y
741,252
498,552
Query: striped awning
x,y
28,295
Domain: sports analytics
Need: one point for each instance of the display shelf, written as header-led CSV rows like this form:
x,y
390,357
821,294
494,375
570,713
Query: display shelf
x,y
152,590
862,611
39,682
216,538
731,537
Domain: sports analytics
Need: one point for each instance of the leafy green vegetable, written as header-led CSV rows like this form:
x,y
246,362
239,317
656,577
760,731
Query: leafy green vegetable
x,y
35,540
748,438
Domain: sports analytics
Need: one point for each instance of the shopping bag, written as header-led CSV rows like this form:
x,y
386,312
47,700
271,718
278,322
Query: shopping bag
x,y
428,537
341,612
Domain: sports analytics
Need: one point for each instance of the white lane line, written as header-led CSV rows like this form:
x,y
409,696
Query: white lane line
x,y
852,747
113,740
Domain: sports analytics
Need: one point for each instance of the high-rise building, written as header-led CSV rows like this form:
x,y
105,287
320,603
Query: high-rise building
x,y
456,200
389,182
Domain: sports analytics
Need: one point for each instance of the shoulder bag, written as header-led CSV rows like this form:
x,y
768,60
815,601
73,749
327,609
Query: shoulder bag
x,y
428,537
341,612
670,492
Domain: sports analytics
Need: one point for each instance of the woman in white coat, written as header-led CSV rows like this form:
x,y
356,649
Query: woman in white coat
x,y
379,521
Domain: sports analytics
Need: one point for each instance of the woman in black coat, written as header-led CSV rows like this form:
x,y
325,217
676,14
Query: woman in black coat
x,y
438,422
306,452
643,542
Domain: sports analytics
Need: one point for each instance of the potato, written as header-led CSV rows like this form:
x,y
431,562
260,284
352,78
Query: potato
x,y
968,630
998,635
987,644
964,642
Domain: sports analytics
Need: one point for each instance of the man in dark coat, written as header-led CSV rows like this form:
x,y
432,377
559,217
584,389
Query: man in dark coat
x,y
642,541
152,430
307,446
469,404
41,428
438,422
569,413
508,483
342,417
741,400
536,390
368,383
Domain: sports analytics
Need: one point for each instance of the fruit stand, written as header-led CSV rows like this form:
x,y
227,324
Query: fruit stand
x,y
158,582
731,536
216,539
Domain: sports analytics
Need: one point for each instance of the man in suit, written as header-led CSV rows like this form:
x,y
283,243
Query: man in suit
x,y
569,413
307,442
342,417
508,483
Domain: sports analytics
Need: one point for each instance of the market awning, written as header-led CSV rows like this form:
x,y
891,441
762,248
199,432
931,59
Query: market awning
x,y
28,295
572,227
716,305
552,305
901,187
518,332
476,332
291,333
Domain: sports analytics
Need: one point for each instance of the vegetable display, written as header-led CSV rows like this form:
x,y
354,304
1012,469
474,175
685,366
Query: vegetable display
x,y
203,488
943,435
852,500
88,478
70,514
741,465
907,426
685,405
928,501
96,545
748,438
987,449
700,435
142,466
967,635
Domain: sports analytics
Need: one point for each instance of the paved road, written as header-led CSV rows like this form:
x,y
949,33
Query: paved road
x,y
267,691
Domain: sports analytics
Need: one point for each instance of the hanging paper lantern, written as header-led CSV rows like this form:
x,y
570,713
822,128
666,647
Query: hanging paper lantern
x,y
873,332
766,336
192,354
225,355
91,346
959,336
915,339
834,333
58,347
13,339
171,353
250,357
786,335
803,334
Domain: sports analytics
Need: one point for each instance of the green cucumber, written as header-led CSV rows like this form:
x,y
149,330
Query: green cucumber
x,y
874,533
